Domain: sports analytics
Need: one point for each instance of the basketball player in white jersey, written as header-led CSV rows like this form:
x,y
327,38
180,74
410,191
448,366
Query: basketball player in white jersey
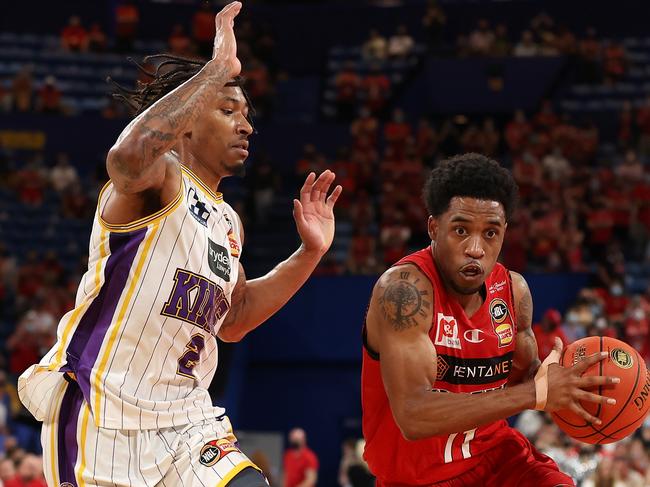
x,y
123,393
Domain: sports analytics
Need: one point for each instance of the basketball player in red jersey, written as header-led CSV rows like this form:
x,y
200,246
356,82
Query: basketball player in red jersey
x,y
449,352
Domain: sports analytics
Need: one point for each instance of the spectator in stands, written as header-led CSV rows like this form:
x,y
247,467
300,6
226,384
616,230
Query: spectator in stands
x,y
615,62
259,86
481,40
501,46
556,166
49,97
7,470
526,47
397,131
35,333
203,29
363,254
626,126
374,48
97,41
300,462
22,91
433,23
74,36
264,184
400,44
347,84
75,203
427,141
179,42
637,325
127,17
31,181
365,127
63,175
589,57
394,236
29,473
643,121
517,132
630,170
565,41
547,330
375,87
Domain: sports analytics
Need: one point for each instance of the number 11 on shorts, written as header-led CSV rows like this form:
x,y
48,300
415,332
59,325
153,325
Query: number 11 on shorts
x,y
450,454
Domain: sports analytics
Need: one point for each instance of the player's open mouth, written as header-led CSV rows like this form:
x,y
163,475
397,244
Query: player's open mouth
x,y
471,271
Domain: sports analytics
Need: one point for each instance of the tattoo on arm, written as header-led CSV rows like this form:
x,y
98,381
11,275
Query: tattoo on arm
x,y
526,310
402,303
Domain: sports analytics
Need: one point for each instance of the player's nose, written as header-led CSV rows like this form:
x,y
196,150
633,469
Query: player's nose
x,y
244,127
475,249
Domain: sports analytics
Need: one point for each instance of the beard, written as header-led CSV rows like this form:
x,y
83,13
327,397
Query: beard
x,y
237,169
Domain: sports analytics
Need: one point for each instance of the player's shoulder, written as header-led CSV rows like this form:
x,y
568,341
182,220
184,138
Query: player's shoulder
x,y
406,272
519,285
403,297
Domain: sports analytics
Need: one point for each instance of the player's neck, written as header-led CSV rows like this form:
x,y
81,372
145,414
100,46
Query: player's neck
x,y
204,172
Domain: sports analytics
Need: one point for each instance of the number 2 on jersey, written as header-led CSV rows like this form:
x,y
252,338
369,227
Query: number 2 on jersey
x,y
450,454
191,356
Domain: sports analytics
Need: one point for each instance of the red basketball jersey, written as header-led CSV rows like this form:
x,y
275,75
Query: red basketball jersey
x,y
474,355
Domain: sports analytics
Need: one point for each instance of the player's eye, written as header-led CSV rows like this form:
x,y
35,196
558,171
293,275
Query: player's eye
x,y
227,111
460,231
491,234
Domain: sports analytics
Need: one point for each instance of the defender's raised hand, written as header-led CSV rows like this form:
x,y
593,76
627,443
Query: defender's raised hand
x,y
314,212
224,52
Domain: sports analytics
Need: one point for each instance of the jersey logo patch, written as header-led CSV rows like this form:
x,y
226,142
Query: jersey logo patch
x,y
215,450
219,260
502,326
472,371
232,239
447,332
473,335
196,300
198,208
442,368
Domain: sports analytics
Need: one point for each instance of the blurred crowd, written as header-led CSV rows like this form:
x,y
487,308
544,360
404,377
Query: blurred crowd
x,y
580,211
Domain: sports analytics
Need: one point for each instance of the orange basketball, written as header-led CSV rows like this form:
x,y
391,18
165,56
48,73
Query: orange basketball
x,y
632,394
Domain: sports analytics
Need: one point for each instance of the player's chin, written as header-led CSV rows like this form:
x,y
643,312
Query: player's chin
x,y
469,284
236,166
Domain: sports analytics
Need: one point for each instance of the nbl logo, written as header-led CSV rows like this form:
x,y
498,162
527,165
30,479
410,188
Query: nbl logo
x,y
198,208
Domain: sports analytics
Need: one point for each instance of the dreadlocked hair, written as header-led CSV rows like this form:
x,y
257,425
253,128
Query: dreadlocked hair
x,y
171,72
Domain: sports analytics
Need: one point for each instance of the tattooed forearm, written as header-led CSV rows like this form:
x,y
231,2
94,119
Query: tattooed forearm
x,y
157,129
402,304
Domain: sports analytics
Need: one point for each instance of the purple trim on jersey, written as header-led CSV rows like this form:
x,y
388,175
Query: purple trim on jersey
x,y
67,441
84,347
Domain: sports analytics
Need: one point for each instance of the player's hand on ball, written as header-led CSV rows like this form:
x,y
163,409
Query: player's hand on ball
x,y
314,212
224,53
567,387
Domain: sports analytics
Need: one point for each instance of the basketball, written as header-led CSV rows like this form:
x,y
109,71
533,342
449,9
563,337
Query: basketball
x,y
631,394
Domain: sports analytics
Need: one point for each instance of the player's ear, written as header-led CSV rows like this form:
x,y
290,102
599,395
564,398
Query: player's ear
x,y
432,227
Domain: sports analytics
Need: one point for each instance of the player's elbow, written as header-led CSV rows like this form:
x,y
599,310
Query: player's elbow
x,y
410,426
231,335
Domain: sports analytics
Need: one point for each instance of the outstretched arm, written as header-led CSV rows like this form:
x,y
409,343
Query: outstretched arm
x,y
134,163
398,323
254,301
526,360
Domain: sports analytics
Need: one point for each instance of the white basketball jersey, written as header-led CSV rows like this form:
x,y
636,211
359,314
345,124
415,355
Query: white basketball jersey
x,y
141,339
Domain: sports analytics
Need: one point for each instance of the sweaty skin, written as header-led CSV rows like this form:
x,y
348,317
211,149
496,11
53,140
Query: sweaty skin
x,y
466,241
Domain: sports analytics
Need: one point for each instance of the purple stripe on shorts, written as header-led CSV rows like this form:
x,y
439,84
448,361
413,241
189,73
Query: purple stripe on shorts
x,y
84,347
67,434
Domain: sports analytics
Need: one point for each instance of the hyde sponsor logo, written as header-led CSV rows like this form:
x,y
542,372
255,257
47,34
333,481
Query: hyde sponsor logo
x,y
219,260
447,332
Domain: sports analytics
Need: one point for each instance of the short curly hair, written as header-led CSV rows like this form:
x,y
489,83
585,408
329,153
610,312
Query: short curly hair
x,y
471,175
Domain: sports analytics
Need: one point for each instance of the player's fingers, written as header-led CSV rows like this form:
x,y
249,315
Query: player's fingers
x,y
331,200
297,211
580,411
558,345
595,398
587,362
305,191
596,380
327,182
320,185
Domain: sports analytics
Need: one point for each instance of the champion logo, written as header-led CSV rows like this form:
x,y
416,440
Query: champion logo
x,y
473,336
